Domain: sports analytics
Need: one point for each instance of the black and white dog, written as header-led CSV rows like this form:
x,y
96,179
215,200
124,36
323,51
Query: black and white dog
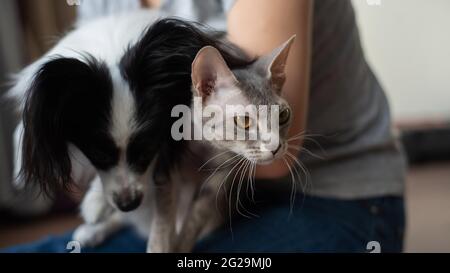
x,y
97,109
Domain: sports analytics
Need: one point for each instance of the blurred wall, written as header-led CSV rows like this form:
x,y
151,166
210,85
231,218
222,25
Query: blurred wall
x,y
43,23
28,28
11,59
407,43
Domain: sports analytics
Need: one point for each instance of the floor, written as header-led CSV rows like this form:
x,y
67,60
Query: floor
x,y
428,205
28,231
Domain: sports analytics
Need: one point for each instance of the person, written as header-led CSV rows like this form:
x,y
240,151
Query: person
x,y
355,166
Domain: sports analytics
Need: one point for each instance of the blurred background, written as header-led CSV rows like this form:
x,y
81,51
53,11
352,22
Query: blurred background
x,y
407,43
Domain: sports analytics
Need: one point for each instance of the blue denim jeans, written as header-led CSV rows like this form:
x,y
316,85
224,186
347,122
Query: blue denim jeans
x,y
314,225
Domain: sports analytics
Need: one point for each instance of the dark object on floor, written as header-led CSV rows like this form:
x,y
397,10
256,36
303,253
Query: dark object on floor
x,y
427,145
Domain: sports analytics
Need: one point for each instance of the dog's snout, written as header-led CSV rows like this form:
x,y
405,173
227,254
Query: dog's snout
x,y
127,200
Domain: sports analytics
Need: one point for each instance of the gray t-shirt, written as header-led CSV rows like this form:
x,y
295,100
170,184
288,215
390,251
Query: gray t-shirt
x,y
352,152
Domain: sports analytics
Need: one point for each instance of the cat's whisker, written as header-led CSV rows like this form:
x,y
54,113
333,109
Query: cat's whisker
x,y
301,149
309,138
219,168
239,171
253,182
304,136
297,135
294,167
294,147
235,164
307,176
312,154
238,200
304,170
232,159
214,157
296,138
250,181
293,188
231,189
241,181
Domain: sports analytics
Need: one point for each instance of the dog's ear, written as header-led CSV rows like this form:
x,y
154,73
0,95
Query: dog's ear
x,y
57,104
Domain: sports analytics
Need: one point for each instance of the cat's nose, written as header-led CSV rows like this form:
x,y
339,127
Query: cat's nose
x,y
276,151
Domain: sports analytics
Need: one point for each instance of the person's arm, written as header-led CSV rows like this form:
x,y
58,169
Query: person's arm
x,y
258,26
151,3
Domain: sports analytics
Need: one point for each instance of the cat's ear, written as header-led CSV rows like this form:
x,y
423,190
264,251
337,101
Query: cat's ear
x,y
210,72
275,64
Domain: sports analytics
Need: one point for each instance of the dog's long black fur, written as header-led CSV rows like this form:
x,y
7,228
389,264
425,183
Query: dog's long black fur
x,y
52,117
69,101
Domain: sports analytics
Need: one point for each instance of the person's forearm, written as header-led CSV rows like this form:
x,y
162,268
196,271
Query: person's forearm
x,y
258,26
151,3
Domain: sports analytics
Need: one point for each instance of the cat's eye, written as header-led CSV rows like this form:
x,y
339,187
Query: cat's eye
x,y
243,122
285,115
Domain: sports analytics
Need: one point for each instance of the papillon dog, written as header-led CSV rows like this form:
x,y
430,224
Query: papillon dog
x,y
96,110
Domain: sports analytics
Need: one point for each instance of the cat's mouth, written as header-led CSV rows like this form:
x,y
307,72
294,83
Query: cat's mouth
x,y
267,157
265,161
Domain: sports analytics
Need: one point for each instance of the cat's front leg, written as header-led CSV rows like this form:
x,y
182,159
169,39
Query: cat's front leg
x,y
203,216
162,235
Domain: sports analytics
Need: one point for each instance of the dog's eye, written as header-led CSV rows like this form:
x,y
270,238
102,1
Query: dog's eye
x,y
243,122
103,161
284,116
143,157
140,153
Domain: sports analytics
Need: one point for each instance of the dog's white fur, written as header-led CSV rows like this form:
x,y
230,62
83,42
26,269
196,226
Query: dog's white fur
x,y
106,39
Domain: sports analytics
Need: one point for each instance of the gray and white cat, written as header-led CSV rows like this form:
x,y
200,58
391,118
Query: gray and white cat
x,y
192,202
233,161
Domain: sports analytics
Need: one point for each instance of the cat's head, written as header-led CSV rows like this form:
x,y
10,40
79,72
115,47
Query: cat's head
x,y
249,101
